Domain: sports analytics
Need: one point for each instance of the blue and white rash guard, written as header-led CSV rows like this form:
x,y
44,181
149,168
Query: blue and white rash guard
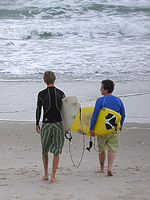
x,y
111,102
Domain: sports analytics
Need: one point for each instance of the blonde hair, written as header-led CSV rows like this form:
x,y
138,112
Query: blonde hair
x,y
49,77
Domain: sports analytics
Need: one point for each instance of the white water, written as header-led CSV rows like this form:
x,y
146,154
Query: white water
x,y
76,39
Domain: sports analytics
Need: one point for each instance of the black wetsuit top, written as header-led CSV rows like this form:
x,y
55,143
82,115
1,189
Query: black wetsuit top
x,y
51,100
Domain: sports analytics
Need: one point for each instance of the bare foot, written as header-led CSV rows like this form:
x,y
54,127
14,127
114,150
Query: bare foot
x,y
53,180
109,173
100,171
45,178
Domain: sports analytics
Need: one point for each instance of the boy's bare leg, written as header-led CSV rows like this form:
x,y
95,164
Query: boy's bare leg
x,y
54,167
111,157
102,157
45,164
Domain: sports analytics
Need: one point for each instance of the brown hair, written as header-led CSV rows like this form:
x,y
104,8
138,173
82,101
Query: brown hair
x,y
49,77
108,85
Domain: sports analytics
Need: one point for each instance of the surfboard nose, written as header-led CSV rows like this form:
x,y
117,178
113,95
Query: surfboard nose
x,y
65,99
69,110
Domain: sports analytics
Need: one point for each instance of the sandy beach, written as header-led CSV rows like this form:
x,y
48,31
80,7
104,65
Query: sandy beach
x,y
83,43
21,167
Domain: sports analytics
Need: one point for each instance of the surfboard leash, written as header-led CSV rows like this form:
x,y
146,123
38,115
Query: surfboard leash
x,y
77,166
90,144
95,146
69,137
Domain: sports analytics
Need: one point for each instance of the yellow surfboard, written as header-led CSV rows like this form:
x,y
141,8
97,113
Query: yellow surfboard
x,y
107,122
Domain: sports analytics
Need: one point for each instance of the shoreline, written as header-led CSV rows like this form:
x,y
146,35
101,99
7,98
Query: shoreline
x,y
126,124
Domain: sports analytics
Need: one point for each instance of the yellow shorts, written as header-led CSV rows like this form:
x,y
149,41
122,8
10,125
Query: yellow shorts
x,y
110,142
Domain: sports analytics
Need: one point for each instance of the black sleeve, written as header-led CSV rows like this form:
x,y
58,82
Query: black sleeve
x,y
38,110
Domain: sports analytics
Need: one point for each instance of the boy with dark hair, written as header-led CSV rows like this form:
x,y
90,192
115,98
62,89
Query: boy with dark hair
x,y
111,140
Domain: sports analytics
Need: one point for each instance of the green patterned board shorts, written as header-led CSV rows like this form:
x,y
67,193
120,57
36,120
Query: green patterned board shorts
x,y
110,142
52,137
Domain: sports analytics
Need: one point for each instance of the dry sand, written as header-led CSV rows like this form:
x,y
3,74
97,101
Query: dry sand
x,y
21,168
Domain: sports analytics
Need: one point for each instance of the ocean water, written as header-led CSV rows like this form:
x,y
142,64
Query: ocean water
x,y
80,40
